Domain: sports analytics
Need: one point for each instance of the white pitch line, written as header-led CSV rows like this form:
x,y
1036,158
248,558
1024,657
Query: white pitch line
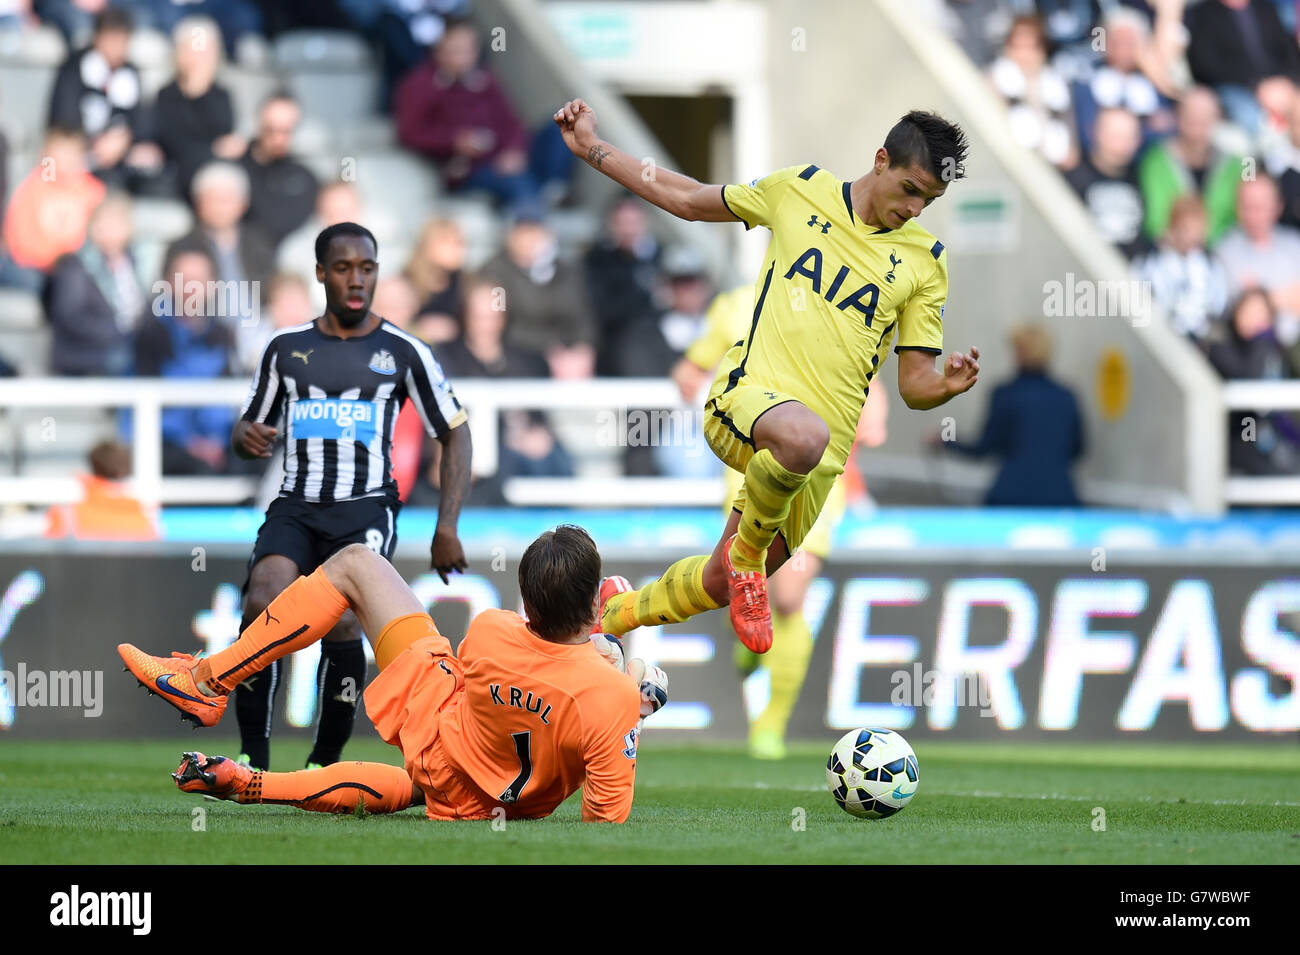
x,y
985,794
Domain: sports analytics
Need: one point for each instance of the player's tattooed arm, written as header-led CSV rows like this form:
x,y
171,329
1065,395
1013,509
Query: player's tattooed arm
x,y
680,195
446,555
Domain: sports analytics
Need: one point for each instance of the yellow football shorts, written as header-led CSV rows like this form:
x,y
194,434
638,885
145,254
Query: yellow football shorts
x,y
729,418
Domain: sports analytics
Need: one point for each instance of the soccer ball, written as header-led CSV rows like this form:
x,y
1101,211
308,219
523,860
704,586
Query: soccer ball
x,y
872,773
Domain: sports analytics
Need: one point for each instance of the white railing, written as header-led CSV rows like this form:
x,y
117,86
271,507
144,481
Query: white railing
x,y
484,400
146,397
1262,396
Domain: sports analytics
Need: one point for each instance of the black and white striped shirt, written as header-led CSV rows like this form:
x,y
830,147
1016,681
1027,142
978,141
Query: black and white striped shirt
x,y
339,399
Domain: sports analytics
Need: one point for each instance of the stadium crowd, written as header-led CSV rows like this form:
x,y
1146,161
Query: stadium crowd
x,y
1177,125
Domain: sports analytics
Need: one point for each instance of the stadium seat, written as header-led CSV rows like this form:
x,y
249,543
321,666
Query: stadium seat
x,y
28,62
150,52
395,179
248,87
58,453
332,73
366,134
575,230
19,311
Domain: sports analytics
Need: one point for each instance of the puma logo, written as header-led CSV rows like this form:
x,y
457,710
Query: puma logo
x,y
304,355
269,618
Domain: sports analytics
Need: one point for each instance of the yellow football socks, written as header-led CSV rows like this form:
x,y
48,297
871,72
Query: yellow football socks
x,y
769,489
678,594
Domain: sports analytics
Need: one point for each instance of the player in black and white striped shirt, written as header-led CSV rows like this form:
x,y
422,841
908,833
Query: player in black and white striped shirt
x,y
334,386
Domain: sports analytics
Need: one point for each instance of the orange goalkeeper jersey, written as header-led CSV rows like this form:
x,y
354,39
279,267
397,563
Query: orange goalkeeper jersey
x,y
539,720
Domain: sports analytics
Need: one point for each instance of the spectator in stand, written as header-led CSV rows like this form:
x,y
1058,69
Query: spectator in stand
x,y
282,190
1276,96
94,298
74,19
1107,183
179,338
1037,96
337,201
288,303
623,278
483,350
652,348
435,271
1260,253
234,18
1234,44
405,28
546,298
196,116
653,344
1249,350
453,110
242,256
1187,281
1283,164
979,27
1035,426
396,301
527,446
1188,163
1130,78
97,91
107,511
49,211
1070,32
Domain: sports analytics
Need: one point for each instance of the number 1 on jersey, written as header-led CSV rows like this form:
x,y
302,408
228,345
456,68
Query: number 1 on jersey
x,y
524,749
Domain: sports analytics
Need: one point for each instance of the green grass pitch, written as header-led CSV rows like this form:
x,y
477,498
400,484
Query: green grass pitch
x,y
82,803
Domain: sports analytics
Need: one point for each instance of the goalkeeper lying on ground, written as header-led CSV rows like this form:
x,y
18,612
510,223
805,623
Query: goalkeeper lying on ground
x,y
525,714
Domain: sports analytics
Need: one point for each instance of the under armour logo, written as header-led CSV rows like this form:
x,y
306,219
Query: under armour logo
x,y
894,262
825,226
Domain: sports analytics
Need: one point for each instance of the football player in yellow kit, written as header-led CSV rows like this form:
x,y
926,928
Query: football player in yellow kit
x,y
847,270
792,642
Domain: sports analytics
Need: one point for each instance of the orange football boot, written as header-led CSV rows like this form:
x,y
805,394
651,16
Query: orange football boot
x,y
610,586
170,678
214,776
747,603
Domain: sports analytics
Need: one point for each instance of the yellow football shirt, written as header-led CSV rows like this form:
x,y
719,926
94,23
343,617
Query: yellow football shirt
x,y
726,323
831,295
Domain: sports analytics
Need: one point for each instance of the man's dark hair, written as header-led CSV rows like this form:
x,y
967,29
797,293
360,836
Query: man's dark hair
x,y
112,20
929,141
111,460
330,233
559,578
187,246
278,95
